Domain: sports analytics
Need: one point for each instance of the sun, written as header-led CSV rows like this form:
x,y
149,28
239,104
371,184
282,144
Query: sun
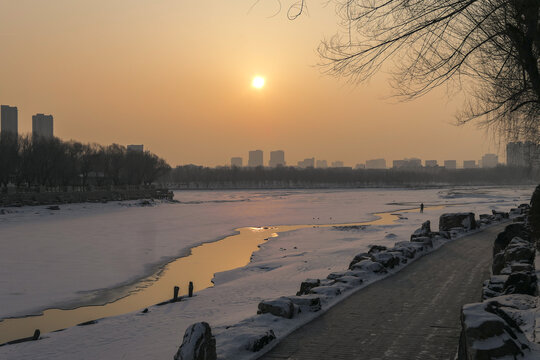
x,y
258,82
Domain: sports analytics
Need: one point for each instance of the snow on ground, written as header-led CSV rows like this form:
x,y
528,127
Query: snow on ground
x,y
86,247
53,258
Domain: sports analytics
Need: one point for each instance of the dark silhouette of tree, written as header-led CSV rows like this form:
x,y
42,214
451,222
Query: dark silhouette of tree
x,y
493,44
9,157
33,161
114,155
194,177
153,168
87,162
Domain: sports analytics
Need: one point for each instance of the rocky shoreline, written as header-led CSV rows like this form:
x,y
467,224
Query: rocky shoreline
x,y
93,196
504,324
318,295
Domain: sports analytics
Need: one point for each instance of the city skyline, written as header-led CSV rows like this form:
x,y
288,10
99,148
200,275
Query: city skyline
x,y
277,158
42,125
155,96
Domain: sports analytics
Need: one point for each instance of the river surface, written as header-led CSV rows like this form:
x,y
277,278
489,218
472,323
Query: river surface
x,y
199,267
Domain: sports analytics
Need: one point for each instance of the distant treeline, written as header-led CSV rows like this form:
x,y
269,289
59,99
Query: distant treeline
x,y
28,162
194,177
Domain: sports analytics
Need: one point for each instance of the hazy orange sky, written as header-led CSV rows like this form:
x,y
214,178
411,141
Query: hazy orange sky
x,y
175,75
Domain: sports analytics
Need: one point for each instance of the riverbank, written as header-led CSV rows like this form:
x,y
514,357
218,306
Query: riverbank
x,y
413,314
198,177
18,199
284,185
505,324
278,267
199,266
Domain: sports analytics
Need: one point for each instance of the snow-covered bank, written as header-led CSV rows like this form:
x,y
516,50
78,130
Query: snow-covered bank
x,y
62,258
277,269
505,323
17,199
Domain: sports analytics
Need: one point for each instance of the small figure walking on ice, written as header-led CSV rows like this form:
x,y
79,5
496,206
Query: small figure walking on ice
x,y
422,207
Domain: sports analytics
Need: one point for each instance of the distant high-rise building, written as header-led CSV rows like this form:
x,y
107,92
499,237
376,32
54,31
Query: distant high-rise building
x,y
521,154
42,125
9,120
376,164
360,166
337,164
469,164
322,164
490,161
135,148
237,161
407,163
277,158
515,154
307,163
450,164
431,163
255,158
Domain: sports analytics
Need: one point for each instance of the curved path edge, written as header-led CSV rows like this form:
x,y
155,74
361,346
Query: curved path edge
x,y
412,314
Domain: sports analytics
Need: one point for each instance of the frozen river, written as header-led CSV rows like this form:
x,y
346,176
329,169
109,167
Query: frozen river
x,y
67,258
198,267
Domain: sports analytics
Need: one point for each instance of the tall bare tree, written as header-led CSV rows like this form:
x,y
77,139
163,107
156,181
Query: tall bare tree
x,y
491,44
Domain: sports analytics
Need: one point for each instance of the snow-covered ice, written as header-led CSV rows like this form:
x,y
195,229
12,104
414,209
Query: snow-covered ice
x,y
49,258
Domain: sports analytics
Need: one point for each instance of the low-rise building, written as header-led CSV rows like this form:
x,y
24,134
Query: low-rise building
x,y
490,161
277,158
307,163
412,163
237,162
135,148
376,164
255,158
450,164
469,164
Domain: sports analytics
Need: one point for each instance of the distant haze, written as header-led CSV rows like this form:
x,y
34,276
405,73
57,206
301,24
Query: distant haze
x,y
176,77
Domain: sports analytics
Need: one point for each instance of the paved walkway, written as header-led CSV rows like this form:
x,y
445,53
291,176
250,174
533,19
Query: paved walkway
x,y
411,315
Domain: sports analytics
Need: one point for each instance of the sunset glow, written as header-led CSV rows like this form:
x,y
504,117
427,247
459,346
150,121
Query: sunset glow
x,y
162,69
258,82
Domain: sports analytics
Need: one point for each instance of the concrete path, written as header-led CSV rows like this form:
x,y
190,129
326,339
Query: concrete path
x,y
413,314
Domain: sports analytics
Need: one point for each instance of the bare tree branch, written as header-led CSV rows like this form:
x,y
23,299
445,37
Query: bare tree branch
x,y
492,44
